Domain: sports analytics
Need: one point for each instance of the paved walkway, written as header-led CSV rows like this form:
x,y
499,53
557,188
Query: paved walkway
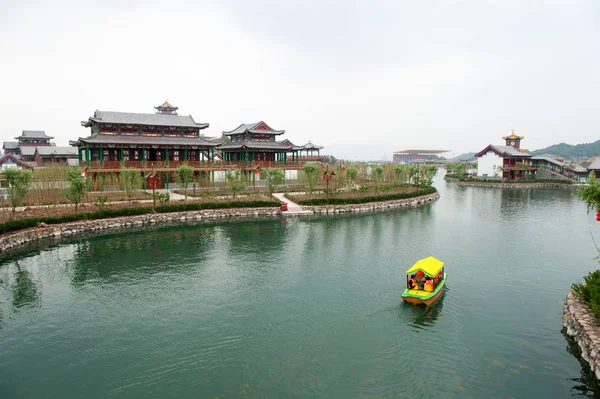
x,y
293,208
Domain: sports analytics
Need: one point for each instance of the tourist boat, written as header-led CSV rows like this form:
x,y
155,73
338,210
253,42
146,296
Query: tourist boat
x,y
433,278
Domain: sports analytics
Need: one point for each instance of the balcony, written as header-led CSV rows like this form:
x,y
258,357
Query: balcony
x,y
114,166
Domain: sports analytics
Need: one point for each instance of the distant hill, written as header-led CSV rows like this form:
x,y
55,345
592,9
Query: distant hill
x,y
571,151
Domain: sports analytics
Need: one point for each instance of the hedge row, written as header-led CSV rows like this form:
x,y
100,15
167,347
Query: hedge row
x,y
14,225
496,181
362,200
197,206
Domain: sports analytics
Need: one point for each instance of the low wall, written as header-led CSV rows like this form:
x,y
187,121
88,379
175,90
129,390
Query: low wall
x,y
372,206
515,185
580,324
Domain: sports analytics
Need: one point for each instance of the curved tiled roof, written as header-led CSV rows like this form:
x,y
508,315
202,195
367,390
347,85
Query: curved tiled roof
x,y
251,128
33,134
255,145
131,118
146,140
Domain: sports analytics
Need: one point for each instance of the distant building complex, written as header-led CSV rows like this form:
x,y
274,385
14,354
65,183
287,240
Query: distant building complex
x,y
34,148
419,156
511,162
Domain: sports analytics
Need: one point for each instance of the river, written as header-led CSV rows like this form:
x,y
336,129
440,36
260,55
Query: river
x,y
306,308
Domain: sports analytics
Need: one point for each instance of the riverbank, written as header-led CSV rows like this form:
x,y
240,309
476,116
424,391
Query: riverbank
x,y
56,231
581,325
371,206
516,185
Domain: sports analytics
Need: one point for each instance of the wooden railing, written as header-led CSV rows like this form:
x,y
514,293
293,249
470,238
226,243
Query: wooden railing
x,y
195,164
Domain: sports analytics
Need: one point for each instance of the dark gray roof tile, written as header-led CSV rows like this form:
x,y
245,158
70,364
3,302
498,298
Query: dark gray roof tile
x,y
146,140
130,118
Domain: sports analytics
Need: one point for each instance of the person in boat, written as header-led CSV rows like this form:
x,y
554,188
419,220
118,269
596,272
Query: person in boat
x,y
417,281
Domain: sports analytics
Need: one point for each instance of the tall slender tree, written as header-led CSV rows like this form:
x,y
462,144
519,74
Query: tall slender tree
x,y
19,185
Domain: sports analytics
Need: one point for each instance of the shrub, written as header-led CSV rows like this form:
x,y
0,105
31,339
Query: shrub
x,y
196,206
362,200
590,292
163,198
101,202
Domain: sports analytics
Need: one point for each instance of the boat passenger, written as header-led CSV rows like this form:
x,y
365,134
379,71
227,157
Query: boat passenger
x,y
420,279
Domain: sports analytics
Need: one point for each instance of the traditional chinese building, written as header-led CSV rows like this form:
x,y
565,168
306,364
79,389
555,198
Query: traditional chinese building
x,y
36,148
508,161
160,141
256,144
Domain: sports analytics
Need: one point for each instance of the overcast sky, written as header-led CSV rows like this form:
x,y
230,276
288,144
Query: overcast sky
x,y
362,78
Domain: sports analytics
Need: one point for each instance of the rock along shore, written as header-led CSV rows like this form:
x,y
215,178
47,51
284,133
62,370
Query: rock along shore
x,y
56,232
581,325
372,206
515,185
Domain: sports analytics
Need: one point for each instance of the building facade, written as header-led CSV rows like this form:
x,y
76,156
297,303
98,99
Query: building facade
x,y
508,161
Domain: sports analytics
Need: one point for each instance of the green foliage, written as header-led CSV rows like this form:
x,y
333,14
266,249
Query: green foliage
x,y
590,292
377,177
362,200
101,202
351,175
273,177
235,180
185,174
77,189
20,224
311,175
19,184
401,173
428,172
131,181
590,193
571,151
196,206
162,198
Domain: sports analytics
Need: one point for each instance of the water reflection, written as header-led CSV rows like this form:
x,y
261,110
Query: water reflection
x,y
587,383
423,316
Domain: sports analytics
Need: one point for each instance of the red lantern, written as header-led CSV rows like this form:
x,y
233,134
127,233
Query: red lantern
x,y
255,171
330,177
598,216
324,177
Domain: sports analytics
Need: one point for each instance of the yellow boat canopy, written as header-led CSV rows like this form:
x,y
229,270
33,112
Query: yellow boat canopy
x,y
430,266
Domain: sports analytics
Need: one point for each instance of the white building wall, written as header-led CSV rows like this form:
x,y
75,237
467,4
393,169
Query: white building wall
x,y
487,163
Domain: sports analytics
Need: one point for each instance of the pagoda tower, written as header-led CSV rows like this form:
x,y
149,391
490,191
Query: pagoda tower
x,y
513,140
166,109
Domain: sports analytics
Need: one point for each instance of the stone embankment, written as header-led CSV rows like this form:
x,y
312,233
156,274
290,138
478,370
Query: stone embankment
x,y
515,185
372,206
581,325
55,232
18,238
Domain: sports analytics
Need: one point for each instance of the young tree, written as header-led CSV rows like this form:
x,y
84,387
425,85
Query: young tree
x,y
428,173
273,177
311,176
77,189
590,193
131,181
19,184
351,175
185,174
400,172
377,177
235,180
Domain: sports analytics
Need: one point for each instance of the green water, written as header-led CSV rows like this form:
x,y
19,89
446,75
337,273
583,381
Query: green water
x,y
305,308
